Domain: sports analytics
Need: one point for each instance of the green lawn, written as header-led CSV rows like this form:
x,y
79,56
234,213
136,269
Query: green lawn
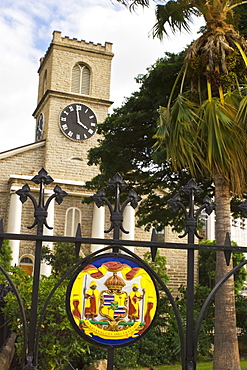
x,y
199,366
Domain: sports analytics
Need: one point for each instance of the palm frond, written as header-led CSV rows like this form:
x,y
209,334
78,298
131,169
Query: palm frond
x,y
233,98
235,3
209,87
206,138
241,118
223,142
132,4
182,70
162,122
241,52
177,15
177,132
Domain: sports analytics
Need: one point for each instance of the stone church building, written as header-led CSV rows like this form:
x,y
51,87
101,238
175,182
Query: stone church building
x,y
73,96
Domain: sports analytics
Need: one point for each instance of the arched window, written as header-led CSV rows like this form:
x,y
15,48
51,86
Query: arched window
x,y
73,217
80,79
26,263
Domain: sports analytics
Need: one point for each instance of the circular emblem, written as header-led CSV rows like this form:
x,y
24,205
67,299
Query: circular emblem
x,y
112,301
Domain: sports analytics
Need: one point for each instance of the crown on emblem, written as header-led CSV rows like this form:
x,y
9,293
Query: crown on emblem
x,y
114,282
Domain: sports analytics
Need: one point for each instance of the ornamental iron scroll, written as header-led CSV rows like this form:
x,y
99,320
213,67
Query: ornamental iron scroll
x,y
116,212
191,217
40,207
119,252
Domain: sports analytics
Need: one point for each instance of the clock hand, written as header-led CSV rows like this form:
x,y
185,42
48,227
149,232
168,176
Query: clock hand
x,y
79,121
81,124
78,116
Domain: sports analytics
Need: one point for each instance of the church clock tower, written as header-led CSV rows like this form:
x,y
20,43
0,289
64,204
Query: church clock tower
x,y
73,97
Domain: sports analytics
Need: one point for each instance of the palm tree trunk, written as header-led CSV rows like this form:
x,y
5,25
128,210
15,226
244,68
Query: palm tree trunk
x,y
226,353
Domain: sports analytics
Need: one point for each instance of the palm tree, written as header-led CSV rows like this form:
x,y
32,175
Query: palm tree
x,y
204,129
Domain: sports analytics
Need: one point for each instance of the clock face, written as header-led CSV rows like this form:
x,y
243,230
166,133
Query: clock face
x,y
78,122
40,127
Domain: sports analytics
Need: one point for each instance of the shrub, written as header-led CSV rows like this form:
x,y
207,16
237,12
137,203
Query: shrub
x,y
5,255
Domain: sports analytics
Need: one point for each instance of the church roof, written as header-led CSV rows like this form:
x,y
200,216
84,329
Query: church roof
x,y
21,149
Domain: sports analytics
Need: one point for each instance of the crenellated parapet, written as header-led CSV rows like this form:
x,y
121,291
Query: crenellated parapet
x,y
57,38
90,46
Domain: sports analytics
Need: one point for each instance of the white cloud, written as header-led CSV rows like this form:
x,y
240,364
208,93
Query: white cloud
x,y
27,27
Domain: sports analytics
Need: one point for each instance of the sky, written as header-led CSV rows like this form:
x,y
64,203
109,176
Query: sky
x,y
26,29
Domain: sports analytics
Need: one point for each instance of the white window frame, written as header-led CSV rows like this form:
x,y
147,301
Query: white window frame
x,y
80,79
73,223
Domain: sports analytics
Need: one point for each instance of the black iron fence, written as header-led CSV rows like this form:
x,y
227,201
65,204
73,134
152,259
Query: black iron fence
x,y
189,337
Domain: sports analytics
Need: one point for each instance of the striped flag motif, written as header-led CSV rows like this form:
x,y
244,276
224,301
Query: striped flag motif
x,y
108,299
112,304
119,311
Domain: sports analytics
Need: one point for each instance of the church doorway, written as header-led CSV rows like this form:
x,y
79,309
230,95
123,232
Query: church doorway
x,y
26,264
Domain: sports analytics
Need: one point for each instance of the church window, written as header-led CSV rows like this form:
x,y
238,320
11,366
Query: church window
x,y
80,79
160,235
73,217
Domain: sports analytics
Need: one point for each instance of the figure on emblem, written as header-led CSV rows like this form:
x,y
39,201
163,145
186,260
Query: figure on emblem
x,y
91,301
134,307
76,312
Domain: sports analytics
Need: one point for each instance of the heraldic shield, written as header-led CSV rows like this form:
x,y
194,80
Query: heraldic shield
x,y
112,301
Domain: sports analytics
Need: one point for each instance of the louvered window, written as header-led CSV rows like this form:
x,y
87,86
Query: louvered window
x,y
73,217
80,79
